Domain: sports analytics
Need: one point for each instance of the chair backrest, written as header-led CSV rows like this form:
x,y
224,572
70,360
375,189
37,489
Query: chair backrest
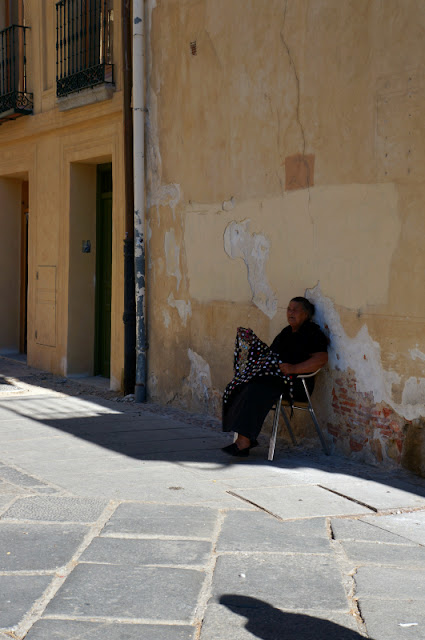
x,y
309,375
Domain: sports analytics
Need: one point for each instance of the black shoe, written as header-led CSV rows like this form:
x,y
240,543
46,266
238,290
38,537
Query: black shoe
x,y
233,450
254,443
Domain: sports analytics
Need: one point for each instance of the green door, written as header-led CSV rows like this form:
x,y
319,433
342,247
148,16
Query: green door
x,y
102,354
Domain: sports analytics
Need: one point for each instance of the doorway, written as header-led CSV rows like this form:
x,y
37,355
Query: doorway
x,y
12,262
24,269
102,346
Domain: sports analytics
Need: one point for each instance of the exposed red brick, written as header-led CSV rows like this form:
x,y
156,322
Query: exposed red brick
x,y
355,445
334,431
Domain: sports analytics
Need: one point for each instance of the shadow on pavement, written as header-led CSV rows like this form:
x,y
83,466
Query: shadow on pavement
x,y
268,623
159,433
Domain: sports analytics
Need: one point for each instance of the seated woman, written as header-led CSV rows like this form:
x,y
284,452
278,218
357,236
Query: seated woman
x,y
301,347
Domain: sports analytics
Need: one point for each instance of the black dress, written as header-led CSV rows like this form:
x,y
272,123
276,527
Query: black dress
x,y
251,402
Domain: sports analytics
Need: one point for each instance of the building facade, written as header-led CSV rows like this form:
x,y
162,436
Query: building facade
x,y
61,186
284,155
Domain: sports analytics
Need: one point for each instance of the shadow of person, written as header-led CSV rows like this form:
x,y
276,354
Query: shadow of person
x,y
268,623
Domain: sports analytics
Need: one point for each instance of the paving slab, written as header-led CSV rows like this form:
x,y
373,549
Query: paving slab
x,y
165,520
410,526
306,501
57,405
263,480
94,590
4,500
129,486
377,495
14,431
251,618
394,620
56,448
282,580
259,531
56,509
379,553
144,436
73,630
53,469
38,547
19,478
346,529
17,595
390,584
147,552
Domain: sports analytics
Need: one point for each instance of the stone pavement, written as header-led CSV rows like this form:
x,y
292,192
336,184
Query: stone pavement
x,y
123,521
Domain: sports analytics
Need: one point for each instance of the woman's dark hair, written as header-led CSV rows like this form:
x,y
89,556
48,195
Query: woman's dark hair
x,y
307,305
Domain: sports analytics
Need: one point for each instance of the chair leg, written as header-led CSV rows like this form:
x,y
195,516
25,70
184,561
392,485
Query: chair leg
x,y
288,425
272,444
315,422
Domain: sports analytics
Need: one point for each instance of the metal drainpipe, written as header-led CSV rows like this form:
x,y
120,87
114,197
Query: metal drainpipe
x,y
139,194
129,316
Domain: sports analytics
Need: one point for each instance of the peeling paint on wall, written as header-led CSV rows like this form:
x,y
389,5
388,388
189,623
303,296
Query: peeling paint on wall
x,y
228,205
415,353
158,194
172,256
148,239
363,356
254,249
184,308
414,389
167,318
199,379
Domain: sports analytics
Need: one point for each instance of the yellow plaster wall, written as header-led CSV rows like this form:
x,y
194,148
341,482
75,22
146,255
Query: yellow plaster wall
x,y
340,80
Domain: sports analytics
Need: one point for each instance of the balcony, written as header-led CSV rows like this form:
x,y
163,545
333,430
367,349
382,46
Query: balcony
x,y
15,101
84,35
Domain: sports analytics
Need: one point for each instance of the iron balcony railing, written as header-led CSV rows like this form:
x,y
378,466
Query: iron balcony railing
x,y
14,98
84,35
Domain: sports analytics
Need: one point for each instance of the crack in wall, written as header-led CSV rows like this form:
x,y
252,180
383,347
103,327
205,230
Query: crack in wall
x,y
298,104
297,82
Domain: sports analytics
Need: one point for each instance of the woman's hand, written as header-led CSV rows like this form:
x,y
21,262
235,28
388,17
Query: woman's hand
x,y
316,361
287,369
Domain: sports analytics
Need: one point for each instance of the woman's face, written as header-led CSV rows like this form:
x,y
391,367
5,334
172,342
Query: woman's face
x,y
296,315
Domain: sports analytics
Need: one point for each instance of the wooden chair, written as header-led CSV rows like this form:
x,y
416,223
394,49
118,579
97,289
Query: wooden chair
x,y
301,406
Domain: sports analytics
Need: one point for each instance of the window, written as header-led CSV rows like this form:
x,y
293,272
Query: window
x,y
14,98
84,34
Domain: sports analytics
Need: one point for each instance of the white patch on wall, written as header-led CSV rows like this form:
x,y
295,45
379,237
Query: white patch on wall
x,y
153,385
414,388
199,379
158,194
167,318
172,256
184,308
415,353
228,205
253,249
148,239
363,356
